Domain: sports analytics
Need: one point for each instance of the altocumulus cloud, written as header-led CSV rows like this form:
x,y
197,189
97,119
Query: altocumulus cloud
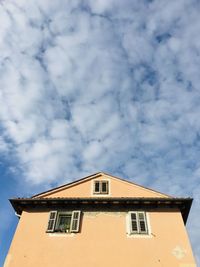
x,y
103,85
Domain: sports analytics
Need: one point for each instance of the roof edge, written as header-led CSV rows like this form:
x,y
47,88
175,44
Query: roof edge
x,y
68,184
183,204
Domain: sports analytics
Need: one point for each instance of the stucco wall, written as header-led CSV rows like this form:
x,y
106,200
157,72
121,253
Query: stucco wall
x,y
117,188
103,241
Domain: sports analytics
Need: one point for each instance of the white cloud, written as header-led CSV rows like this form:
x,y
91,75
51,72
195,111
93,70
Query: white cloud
x,y
3,145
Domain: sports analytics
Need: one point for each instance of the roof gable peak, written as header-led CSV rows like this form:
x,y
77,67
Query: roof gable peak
x,y
83,188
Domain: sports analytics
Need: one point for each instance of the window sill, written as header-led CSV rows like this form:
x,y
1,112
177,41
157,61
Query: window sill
x,y
60,234
139,235
101,195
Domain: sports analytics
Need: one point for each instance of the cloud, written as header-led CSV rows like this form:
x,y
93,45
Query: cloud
x,y
102,85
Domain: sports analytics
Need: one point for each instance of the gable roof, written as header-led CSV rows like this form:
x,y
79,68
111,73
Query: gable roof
x,y
133,189
145,198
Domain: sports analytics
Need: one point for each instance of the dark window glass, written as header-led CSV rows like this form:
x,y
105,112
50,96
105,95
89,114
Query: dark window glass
x,y
101,187
133,216
142,226
97,187
134,226
64,221
104,187
141,216
134,222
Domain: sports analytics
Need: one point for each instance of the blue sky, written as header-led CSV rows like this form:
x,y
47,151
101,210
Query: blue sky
x,y
88,86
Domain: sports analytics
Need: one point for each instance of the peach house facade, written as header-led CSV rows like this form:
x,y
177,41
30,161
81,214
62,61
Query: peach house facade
x,y
101,220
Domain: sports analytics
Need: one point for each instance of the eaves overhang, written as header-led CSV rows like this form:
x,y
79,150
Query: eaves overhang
x,y
102,203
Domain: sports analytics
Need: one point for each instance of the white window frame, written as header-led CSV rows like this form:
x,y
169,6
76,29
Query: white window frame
x,y
74,223
138,221
101,192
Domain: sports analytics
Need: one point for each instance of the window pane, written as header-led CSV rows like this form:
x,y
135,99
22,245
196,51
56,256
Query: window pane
x,y
141,215
64,221
134,226
96,187
133,216
104,187
142,226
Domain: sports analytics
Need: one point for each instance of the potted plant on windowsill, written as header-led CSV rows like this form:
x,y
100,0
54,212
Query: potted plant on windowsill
x,y
63,228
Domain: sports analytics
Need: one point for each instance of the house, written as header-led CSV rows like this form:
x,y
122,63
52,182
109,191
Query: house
x,y
101,221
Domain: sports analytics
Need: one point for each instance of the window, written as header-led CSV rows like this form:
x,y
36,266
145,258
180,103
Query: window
x,y
101,187
64,222
138,222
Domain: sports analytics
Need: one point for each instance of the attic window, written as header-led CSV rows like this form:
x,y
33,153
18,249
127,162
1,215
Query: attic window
x,y
101,187
64,222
